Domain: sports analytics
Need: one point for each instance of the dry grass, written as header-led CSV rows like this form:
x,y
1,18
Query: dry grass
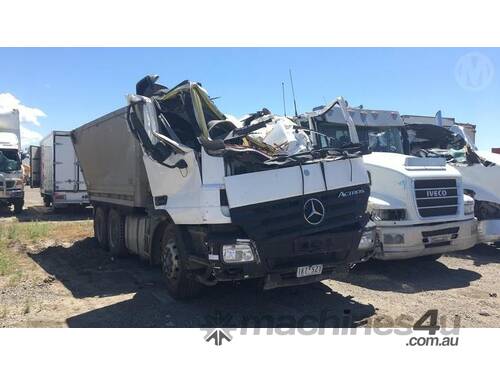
x,y
15,236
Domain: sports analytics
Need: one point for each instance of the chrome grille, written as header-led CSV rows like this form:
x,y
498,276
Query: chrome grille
x,y
10,184
436,197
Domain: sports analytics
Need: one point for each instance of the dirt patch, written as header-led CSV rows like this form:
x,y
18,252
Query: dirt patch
x,y
71,282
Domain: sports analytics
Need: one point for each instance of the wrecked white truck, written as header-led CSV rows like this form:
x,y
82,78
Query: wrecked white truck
x,y
210,199
480,170
418,204
11,175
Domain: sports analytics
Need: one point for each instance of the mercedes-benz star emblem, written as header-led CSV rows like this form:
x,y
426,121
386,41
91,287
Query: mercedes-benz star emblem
x,y
314,211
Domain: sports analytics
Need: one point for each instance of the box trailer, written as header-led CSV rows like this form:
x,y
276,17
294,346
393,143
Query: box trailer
x,y
56,171
182,185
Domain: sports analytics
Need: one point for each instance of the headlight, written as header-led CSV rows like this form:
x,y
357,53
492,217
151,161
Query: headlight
x,y
469,208
394,239
389,215
239,252
367,240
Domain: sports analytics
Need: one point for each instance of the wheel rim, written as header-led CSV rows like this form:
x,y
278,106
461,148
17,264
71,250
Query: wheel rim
x,y
170,260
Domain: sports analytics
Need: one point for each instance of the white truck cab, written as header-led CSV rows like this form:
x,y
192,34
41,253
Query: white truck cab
x,y
418,204
11,175
480,170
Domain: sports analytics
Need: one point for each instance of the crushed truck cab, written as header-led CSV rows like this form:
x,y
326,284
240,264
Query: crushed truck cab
x,y
480,171
210,198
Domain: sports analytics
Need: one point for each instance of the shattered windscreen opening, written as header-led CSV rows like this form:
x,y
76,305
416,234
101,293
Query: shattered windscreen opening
x,y
180,118
436,141
9,161
179,111
433,137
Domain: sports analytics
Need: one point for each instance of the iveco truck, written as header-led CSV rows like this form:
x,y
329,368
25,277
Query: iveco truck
x,y
418,204
430,137
55,170
11,175
210,198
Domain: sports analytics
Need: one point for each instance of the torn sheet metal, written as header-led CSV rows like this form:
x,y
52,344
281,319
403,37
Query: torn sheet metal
x,y
281,134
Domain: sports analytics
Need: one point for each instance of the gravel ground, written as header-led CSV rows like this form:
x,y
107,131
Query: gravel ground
x,y
73,283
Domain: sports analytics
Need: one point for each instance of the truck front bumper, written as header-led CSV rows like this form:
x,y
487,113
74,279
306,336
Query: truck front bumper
x,y
489,231
404,242
11,194
277,262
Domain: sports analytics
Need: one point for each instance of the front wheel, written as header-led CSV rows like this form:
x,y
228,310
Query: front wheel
x,y
18,206
179,281
46,201
100,227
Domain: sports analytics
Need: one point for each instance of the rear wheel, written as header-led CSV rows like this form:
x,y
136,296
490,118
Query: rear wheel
x,y
116,233
179,281
18,206
100,227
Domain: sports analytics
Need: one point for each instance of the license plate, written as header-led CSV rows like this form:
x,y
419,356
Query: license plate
x,y
309,270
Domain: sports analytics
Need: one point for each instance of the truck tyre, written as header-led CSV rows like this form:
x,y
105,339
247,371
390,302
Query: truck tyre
x,y
179,282
18,206
116,233
100,227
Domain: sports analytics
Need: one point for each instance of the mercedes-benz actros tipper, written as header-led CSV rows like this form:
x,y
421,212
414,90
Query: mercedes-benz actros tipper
x,y
11,175
212,199
418,204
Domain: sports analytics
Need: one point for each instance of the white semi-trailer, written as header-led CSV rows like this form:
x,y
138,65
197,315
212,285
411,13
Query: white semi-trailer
x,y
55,170
418,204
11,175
480,170
177,182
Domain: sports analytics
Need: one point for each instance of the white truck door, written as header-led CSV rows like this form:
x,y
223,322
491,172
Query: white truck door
x,y
65,165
